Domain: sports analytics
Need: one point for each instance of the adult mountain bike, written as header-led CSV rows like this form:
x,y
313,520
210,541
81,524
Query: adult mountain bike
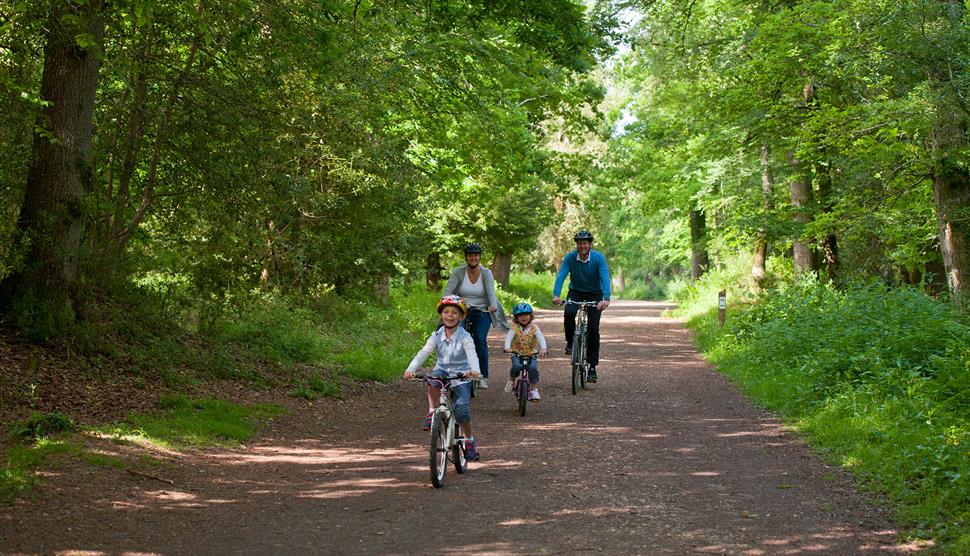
x,y
447,441
580,359
522,385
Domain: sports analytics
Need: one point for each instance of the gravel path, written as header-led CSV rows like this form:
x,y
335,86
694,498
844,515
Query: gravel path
x,y
662,456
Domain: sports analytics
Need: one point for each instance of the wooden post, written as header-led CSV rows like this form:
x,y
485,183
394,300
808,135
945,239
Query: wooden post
x,y
721,307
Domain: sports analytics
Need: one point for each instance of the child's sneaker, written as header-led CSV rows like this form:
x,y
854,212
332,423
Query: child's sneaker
x,y
508,387
471,450
534,395
483,383
427,421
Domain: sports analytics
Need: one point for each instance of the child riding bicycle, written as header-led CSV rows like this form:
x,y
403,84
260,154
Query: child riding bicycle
x,y
455,351
524,338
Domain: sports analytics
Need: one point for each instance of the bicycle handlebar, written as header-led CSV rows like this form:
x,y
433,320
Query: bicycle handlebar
x,y
469,375
586,303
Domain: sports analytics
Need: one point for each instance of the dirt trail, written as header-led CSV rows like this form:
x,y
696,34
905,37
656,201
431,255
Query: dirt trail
x,y
662,456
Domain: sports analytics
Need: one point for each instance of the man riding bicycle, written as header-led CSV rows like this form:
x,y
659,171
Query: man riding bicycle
x,y
589,280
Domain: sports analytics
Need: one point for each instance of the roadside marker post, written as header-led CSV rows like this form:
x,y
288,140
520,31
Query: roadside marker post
x,y
721,307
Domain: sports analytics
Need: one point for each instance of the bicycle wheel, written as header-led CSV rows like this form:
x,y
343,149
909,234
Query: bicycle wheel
x,y
439,450
583,363
577,360
458,452
523,395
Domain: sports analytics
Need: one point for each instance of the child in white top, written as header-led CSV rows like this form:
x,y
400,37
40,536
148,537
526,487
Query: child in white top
x,y
455,351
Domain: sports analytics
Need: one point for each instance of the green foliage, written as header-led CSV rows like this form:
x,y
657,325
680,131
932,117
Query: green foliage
x,y
316,386
17,473
183,422
375,342
42,425
532,288
877,378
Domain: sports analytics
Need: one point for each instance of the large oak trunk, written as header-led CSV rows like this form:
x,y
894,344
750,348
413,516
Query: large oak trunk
x,y
59,177
699,260
502,268
951,181
801,196
758,272
433,269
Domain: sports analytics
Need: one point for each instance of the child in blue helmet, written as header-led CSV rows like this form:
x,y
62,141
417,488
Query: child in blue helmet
x,y
524,338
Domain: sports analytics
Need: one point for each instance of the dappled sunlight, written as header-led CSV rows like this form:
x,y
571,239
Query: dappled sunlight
x,y
354,487
320,456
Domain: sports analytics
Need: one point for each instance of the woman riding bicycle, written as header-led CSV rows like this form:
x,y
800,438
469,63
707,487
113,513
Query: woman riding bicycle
x,y
589,280
455,351
476,286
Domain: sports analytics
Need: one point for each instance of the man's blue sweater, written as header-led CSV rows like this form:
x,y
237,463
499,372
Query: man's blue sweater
x,y
591,276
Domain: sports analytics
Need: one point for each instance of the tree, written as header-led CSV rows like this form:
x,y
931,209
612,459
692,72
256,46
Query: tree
x,y
60,173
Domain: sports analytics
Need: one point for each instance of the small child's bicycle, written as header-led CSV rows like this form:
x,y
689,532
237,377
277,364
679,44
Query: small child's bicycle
x,y
447,441
521,386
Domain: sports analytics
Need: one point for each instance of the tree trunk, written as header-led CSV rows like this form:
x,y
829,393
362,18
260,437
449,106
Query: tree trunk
x,y
59,176
382,289
699,259
618,282
433,271
830,244
951,180
801,196
758,272
502,268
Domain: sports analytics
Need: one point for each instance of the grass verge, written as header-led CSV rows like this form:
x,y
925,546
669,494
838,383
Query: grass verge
x,y
877,379
44,439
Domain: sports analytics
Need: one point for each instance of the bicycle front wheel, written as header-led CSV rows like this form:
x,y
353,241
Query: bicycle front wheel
x,y
439,450
458,452
523,391
583,361
577,360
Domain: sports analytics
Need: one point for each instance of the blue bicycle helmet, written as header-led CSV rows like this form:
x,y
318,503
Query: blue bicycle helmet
x,y
521,309
583,234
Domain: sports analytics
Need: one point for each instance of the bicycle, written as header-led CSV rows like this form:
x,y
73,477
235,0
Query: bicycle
x,y
580,362
446,434
522,385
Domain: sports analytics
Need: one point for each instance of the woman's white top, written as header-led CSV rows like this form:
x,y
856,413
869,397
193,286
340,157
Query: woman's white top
x,y
473,293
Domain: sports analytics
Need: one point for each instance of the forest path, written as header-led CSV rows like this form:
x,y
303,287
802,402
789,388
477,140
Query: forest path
x,y
663,455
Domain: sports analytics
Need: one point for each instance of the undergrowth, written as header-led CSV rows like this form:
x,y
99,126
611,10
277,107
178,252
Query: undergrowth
x,y
876,378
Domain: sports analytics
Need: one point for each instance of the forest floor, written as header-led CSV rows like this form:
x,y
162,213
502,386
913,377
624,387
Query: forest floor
x,y
661,456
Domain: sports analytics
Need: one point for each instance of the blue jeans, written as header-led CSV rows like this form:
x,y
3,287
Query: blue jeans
x,y
517,365
481,322
461,397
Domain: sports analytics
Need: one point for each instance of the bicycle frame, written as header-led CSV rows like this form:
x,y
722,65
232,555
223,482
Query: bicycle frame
x,y
580,362
448,440
522,383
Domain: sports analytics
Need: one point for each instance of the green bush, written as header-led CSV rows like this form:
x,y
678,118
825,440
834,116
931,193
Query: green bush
x,y
41,425
877,377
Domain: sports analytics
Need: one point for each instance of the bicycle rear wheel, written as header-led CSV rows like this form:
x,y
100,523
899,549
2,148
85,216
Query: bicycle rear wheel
x,y
523,395
439,450
458,452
